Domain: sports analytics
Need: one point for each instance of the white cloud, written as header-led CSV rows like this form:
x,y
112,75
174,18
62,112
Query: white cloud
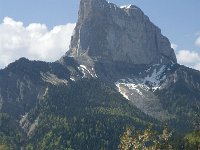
x,y
174,46
189,58
35,41
186,56
197,42
197,66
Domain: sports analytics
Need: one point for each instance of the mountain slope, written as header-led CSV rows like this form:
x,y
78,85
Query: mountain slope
x,y
86,115
119,70
123,47
181,97
80,115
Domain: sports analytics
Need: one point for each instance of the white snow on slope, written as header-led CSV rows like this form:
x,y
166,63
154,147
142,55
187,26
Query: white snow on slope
x,y
138,88
140,91
72,79
126,6
86,71
152,81
155,78
121,90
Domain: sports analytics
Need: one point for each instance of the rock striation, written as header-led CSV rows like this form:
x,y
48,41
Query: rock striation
x,y
105,31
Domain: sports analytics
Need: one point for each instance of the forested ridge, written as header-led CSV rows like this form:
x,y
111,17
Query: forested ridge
x,y
87,114
84,115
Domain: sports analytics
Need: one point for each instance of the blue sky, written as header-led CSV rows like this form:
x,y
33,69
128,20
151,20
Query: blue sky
x,y
178,20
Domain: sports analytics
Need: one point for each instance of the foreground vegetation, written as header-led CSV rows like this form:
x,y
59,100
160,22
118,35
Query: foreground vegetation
x,y
88,115
150,139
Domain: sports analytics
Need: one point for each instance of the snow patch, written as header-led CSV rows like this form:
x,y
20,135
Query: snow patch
x,y
126,6
46,91
122,91
72,78
155,78
132,86
136,86
152,82
86,71
140,90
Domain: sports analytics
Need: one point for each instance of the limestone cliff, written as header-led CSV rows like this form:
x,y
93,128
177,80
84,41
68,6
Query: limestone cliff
x,y
120,34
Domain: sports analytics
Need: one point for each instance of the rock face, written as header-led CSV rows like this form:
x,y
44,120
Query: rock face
x,y
105,31
120,45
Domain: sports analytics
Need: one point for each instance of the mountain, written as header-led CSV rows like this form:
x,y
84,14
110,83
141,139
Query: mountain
x,y
119,71
107,32
48,110
122,46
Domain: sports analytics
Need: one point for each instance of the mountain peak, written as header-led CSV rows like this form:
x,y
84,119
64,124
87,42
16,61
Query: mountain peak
x,y
118,34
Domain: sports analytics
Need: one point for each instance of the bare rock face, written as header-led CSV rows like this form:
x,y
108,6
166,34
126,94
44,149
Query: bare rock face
x,y
105,31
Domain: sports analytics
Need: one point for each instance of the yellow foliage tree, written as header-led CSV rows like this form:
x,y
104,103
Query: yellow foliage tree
x,y
4,147
145,140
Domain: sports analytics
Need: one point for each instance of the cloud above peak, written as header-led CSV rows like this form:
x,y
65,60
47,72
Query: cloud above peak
x,y
189,58
35,41
197,42
174,46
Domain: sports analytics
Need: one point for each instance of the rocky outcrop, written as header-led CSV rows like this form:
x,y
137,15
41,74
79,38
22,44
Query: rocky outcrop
x,y
105,31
